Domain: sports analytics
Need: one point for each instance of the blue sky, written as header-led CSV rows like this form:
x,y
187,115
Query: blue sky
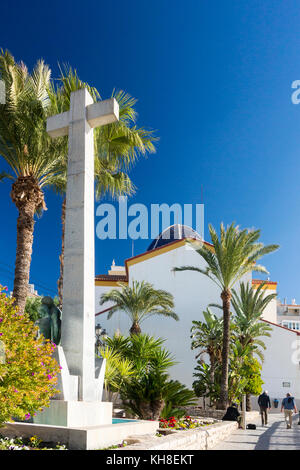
x,y
214,79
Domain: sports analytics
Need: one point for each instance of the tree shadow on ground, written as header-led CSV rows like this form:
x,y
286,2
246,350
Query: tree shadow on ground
x,y
284,439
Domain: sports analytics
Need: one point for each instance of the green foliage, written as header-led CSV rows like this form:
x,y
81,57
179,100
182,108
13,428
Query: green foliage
x,y
244,374
32,443
207,336
28,374
118,369
207,383
177,396
252,372
237,380
32,307
244,377
144,351
234,254
118,343
24,142
139,302
117,148
144,394
149,392
117,145
249,305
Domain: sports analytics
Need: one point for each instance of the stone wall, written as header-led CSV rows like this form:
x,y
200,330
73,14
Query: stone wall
x,y
195,439
207,413
198,411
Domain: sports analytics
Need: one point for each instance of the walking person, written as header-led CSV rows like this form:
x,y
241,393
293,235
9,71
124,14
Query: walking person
x,y
288,405
264,404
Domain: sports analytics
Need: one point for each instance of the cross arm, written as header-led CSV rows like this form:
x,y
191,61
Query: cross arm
x,y
97,114
58,125
102,112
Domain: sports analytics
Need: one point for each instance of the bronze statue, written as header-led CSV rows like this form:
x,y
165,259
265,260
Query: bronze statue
x,y
49,322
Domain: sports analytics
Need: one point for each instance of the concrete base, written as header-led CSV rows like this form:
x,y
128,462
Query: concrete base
x,y
73,414
88,438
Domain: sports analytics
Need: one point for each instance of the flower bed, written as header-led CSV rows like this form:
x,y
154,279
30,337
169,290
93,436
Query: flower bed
x,y
185,423
33,443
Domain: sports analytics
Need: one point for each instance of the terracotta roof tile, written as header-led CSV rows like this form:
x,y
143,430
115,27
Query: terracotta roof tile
x,y
259,281
111,277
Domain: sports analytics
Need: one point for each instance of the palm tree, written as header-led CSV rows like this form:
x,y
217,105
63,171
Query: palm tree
x,y
237,380
117,147
149,392
207,339
139,302
203,384
230,257
249,306
33,157
177,398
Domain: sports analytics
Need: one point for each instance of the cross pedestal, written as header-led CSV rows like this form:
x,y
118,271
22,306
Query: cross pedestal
x,y
79,402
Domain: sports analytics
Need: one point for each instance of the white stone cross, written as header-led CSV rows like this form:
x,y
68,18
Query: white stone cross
x,y
78,317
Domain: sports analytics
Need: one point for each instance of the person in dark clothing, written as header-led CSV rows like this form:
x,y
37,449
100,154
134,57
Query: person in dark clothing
x,y
264,404
232,414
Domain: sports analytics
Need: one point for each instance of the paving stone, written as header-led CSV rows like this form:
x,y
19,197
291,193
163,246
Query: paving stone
x,y
274,436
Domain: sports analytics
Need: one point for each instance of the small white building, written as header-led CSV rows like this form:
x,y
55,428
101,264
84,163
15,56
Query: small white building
x,y
288,315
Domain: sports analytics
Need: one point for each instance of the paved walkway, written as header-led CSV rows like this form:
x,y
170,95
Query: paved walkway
x,y
274,436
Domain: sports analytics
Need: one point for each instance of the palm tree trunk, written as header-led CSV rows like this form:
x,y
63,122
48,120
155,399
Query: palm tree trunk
x,y
146,410
151,409
248,402
135,329
157,407
226,297
61,257
28,197
212,368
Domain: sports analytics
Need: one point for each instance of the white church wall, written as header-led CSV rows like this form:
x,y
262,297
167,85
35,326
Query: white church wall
x,y
270,312
281,364
117,322
99,290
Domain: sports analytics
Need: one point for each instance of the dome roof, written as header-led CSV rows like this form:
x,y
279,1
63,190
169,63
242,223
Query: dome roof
x,y
171,234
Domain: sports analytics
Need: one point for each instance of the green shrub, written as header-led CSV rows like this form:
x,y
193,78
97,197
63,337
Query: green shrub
x,y
176,398
28,372
149,393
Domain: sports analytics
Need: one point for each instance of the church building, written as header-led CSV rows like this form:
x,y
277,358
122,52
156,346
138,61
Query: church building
x,y
192,293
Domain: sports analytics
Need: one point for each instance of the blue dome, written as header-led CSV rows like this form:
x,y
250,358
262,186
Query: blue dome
x,y
171,234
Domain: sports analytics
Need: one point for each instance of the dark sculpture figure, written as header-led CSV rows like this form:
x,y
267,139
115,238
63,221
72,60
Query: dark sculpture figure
x,y
49,322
